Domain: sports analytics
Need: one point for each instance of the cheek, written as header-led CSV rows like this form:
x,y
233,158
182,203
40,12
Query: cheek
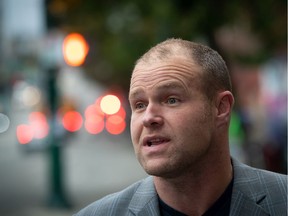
x,y
135,128
194,125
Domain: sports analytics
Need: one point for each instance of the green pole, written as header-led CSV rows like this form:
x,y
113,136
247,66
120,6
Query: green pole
x,y
57,198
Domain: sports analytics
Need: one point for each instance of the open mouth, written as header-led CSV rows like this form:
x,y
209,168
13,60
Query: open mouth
x,y
155,141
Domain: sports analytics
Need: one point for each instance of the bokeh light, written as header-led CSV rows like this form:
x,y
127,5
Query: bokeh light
x,y
115,124
94,119
24,133
72,121
121,112
94,124
39,125
92,110
31,96
4,123
110,104
75,49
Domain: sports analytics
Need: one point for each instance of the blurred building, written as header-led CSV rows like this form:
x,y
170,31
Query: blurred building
x,y
22,26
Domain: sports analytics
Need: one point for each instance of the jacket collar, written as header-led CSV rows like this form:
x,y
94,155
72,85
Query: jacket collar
x,y
247,197
145,200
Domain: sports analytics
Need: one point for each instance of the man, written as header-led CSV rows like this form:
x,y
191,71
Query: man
x,y
181,101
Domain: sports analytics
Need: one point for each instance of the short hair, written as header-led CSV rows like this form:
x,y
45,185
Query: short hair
x,y
216,75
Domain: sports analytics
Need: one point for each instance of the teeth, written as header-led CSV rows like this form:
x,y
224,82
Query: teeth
x,y
153,142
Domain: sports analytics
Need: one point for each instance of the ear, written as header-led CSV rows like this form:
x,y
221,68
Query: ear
x,y
224,105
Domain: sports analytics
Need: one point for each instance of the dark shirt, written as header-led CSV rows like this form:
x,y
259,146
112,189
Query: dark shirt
x,y
220,208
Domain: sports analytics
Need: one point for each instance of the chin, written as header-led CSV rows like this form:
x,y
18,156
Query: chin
x,y
160,170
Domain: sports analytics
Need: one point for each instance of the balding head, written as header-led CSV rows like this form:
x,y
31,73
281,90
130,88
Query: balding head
x,y
215,75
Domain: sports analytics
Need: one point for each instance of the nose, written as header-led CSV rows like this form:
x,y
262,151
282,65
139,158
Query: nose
x,y
152,116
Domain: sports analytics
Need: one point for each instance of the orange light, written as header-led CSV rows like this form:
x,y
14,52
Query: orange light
x,y
115,124
72,121
110,104
24,133
75,49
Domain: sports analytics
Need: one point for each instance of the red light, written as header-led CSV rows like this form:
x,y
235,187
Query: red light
x,y
39,125
115,124
121,113
93,110
37,128
72,121
94,124
24,133
106,112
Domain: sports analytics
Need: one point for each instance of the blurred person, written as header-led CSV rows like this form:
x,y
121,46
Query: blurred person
x,y
181,101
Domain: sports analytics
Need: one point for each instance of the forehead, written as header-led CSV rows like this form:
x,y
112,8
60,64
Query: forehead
x,y
174,73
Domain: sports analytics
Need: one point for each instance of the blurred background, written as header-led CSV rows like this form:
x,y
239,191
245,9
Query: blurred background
x,y
64,76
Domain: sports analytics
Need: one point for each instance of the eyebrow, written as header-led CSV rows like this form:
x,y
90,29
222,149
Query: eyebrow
x,y
135,93
163,87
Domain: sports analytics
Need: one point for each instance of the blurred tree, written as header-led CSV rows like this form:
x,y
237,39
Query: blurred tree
x,y
120,31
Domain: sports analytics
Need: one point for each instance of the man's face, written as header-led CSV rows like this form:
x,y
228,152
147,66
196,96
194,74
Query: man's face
x,y
172,121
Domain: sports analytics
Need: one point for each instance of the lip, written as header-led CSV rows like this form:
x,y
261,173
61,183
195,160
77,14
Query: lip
x,y
154,141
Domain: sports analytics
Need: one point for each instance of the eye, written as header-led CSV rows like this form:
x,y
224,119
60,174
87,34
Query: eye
x,y
172,100
139,105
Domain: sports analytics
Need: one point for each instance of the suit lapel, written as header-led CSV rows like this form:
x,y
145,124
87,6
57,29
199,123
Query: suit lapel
x,y
247,197
145,200
243,205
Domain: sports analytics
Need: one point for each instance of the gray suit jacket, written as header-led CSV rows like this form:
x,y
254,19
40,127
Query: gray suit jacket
x,y
255,192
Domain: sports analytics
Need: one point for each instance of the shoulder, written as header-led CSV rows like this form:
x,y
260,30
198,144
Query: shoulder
x,y
114,204
266,188
246,174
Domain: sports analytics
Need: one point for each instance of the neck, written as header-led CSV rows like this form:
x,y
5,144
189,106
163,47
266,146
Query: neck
x,y
195,192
